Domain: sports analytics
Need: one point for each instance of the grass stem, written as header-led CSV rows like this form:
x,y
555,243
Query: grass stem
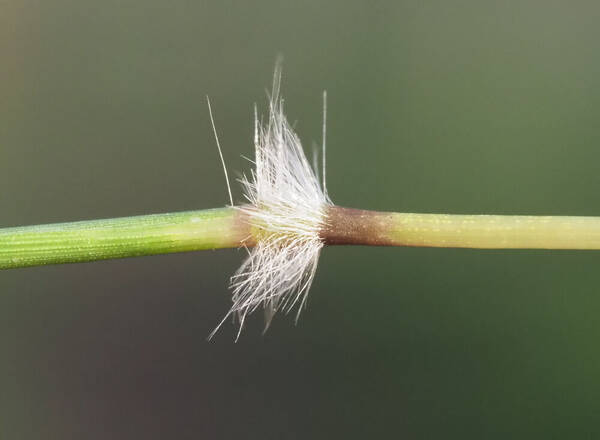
x,y
93,240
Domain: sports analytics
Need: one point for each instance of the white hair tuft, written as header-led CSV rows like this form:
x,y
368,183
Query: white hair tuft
x,y
286,209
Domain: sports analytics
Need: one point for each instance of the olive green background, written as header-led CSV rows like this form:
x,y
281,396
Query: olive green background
x,y
442,106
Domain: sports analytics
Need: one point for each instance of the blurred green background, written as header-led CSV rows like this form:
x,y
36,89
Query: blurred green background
x,y
459,107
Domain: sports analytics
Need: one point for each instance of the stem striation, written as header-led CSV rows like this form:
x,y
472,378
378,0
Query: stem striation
x,y
122,237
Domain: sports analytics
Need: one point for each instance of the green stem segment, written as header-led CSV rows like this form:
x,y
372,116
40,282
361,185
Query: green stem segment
x,y
122,237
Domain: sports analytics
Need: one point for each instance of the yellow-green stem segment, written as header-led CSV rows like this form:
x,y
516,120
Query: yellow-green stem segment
x,y
356,226
121,237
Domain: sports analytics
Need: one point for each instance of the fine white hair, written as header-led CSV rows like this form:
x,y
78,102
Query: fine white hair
x,y
286,210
